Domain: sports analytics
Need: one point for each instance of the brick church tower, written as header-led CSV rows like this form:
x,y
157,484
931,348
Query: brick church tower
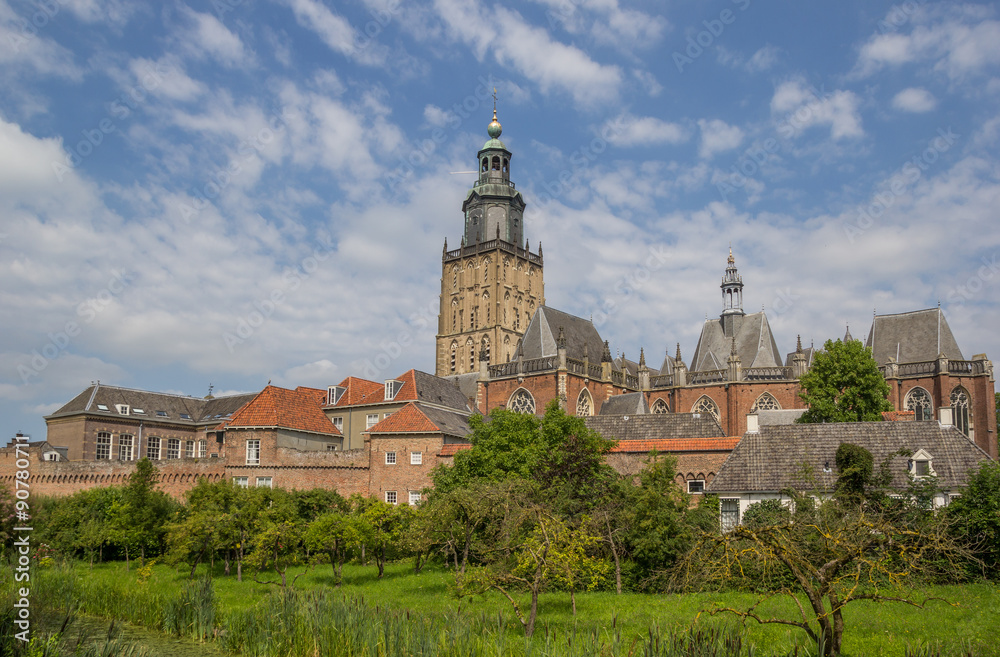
x,y
492,284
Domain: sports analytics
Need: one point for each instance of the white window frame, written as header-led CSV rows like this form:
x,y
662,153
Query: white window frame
x,y
338,422
414,497
253,451
202,448
173,448
265,482
153,448
416,458
699,485
331,447
390,497
733,521
103,448
126,441
189,449
390,458
242,482
371,420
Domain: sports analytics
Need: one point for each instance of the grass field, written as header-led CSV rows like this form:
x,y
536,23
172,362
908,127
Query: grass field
x,y
964,625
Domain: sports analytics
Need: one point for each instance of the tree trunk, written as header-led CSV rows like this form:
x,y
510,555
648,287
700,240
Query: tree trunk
x,y
380,560
364,561
529,629
572,596
226,569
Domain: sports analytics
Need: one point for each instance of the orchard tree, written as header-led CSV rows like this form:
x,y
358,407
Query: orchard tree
x,y
977,516
844,384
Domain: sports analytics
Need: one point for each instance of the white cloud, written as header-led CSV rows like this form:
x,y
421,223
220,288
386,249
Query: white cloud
x,y
802,107
205,35
761,60
717,136
336,32
529,49
647,131
166,78
915,100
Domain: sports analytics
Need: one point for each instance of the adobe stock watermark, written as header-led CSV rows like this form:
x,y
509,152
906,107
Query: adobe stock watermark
x,y
87,311
264,308
985,275
899,15
580,159
784,300
217,181
391,349
22,540
701,41
119,108
898,183
40,15
628,285
420,152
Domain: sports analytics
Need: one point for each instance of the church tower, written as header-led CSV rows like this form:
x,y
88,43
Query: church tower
x,y
732,297
492,284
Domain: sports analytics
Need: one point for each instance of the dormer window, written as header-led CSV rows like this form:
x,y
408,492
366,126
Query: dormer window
x,y
334,393
392,388
122,409
921,464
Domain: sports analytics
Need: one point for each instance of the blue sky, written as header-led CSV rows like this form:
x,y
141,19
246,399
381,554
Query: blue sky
x,y
232,192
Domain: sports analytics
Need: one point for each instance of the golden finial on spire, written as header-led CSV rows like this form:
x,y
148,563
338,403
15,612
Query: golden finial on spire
x,y
731,259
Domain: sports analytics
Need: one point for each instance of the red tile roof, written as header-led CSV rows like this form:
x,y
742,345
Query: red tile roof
x,y
300,409
409,419
360,391
450,449
899,416
678,445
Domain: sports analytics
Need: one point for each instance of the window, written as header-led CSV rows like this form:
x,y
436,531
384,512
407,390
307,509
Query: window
x,y
960,404
696,486
765,402
706,406
162,414
138,411
416,458
330,447
371,420
454,355
584,404
390,497
185,416
918,401
189,449
390,458
202,445
103,445
921,468
385,415
471,346
173,448
414,497
660,407
125,452
729,513
242,482
122,409
521,402
392,388
334,393
102,407
153,448
339,423
921,464
253,452
264,482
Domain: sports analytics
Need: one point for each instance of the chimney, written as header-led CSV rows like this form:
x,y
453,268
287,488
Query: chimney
x,y
753,423
945,416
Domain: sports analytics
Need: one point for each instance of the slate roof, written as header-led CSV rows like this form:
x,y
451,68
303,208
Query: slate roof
x,y
631,403
809,352
912,337
774,458
784,416
543,330
300,409
468,383
159,406
419,418
430,389
656,426
754,344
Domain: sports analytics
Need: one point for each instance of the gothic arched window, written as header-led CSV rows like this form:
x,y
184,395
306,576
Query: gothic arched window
x,y
486,271
454,277
960,407
918,401
659,407
766,402
584,404
454,354
506,346
470,345
706,405
486,304
486,348
521,402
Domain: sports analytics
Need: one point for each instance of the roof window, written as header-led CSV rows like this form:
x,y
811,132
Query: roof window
x,y
164,414
921,464
392,387
334,393
138,411
122,409
185,416
102,407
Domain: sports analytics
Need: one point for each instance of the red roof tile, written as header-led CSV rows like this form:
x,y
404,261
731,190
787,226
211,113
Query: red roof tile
x,y
678,445
899,416
450,449
360,391
408,419
300,409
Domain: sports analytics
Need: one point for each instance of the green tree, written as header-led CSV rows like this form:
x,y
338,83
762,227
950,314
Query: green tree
x,y
844,385
276,541
855,468
329,534
977,517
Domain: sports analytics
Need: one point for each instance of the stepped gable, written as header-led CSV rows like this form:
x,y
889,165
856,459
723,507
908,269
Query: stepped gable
x,y
631,403
541,338
430,389
279,408
755,344
152,405
776,458
656,426
912,337
418,418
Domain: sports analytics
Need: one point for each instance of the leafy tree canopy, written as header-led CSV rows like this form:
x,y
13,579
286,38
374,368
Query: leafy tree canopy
x,y
844,385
